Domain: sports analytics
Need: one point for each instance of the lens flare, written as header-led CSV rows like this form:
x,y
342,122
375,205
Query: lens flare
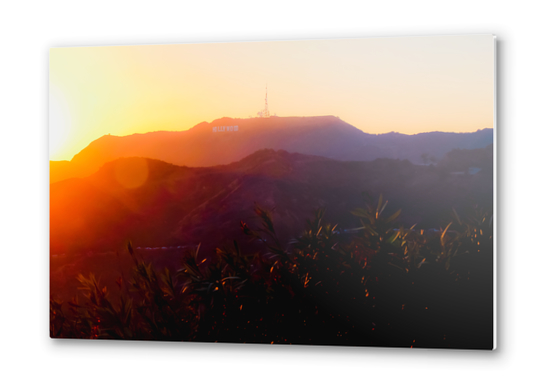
x,y
132,173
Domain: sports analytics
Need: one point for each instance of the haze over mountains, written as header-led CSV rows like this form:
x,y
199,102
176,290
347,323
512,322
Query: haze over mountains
x,y
184,206
179,189
234,139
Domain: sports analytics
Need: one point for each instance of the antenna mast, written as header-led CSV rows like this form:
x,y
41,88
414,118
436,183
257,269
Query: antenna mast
x,y
266,109
264,114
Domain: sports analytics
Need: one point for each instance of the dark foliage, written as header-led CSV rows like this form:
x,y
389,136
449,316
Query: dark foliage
x,y
373,285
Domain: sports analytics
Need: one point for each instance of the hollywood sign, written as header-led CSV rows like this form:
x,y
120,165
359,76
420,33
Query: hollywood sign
x,y
230,128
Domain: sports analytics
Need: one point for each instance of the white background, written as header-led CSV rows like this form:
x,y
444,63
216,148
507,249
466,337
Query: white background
x,y
29,29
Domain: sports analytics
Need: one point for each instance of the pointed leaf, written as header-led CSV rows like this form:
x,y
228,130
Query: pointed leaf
x,y
444,233
393,217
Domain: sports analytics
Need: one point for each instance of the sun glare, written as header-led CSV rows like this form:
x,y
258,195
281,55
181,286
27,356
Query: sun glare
x,y
131,173
59,122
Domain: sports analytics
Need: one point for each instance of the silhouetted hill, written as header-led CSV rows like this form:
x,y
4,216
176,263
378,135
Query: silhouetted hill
x,y
462,159
61,170
326,136
177,205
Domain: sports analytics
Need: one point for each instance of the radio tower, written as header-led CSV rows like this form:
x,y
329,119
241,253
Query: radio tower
x,y
266,109
264,114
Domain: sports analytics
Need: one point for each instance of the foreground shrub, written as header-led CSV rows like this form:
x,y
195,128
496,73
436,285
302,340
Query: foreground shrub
x,y
371,285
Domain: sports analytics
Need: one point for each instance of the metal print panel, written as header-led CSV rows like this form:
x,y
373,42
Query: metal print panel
x,y
324,192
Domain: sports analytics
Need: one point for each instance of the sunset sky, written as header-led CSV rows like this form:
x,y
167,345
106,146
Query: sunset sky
x,y
403,84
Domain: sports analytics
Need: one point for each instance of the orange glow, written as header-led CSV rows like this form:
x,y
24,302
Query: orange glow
x,y
403,84
132,173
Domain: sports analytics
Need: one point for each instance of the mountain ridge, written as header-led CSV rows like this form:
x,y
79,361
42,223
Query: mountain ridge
x,y
206,145
186,205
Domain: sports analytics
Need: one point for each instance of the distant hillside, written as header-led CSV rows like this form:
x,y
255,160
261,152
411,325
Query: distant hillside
x,y
61,170
184,206
227,140
462,159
